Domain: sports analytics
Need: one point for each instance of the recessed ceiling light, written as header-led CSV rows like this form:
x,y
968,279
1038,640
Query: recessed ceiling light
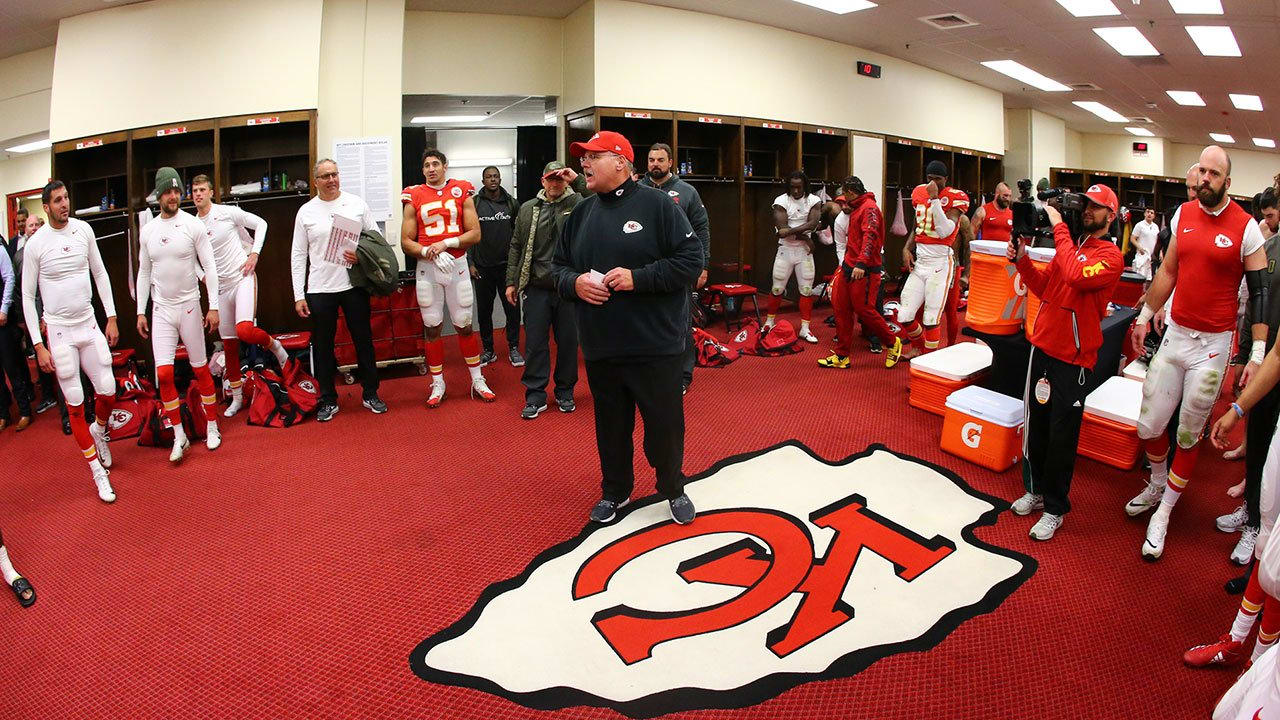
x,y
1246,102
1127,41
1196,7
431,119
1018,71
1100,110
30,147
1221,137
1089,8
1141,132
839,7
1214,40
1264,142
1186,97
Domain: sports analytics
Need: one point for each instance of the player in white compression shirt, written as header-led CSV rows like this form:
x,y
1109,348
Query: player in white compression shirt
x,y
172,249
59,260
226,225
796,215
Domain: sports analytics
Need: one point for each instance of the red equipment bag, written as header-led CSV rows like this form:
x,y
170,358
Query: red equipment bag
x,y
778,340
129,416
268,399
303,390
710,352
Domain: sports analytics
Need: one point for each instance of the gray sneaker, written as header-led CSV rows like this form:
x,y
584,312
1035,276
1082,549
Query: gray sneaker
x,y
517,360
375,405
606,510
532,411
1027,504
682,510
487,357
566,406
325,413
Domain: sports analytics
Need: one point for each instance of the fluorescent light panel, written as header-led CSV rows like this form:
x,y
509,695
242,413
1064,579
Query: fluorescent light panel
x,y
1214,40
1022,73
1196,7
1089,8
1186,97
1140,132
431,119
1100,110
839,7
1246,102
1127,41
1221,137
30,147
1264,142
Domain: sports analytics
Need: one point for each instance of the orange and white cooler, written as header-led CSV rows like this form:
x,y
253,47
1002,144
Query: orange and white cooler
x,y
1040,258
997,300
983,427
1109,433
1136,370
936,375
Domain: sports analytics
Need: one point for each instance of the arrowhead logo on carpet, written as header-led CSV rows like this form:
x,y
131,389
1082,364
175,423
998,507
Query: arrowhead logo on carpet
x,y
767,589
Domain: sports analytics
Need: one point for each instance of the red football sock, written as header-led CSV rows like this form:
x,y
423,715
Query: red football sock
x,y
1157,447
208,394
250,333
169,395
806,308
80,431
435,355
469,344
231,358
775,302
102,405
932,337
1183,463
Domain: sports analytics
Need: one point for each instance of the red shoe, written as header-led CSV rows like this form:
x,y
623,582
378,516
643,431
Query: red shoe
x,y
1226,652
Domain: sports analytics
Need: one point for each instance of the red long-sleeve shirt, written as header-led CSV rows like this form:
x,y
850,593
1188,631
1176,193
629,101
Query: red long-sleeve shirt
x,y
866,234
1074,292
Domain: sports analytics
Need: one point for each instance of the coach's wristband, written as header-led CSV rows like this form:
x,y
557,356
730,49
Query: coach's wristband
x,y
452,242
1259,351
1145,316
1239,410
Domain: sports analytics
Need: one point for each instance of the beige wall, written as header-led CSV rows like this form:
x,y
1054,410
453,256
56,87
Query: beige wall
x,y
1074,155
1114,153
505,54
1250,171
578,50
1017,139
20,173
258,56
729,58
25,86
1048,144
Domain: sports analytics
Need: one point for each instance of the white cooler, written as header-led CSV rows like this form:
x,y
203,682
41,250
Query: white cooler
x,y
1109,432
983,427
936,375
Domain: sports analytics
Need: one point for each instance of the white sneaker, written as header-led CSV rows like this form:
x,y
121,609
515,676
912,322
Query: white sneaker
x,y
1045,527
100,441
237,403
105,493
1028,504
1145,500
179,449
213,436
282,355
1243,551
1232,521
1157,528
807,336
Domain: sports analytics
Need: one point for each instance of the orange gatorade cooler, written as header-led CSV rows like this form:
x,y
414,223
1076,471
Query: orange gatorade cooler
x,y
1040,258
1109,433
1136,370
983,427
936,375
997,299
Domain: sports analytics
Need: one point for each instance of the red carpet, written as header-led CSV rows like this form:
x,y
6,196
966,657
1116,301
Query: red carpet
x,y
291,573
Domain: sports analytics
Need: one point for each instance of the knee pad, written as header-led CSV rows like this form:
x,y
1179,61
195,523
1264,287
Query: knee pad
x,y
428,301
466,303
805,274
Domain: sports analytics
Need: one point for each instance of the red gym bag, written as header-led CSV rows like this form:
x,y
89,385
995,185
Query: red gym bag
x,y
778,340
156,430
268,399
132,385
303,390
130,415
710,352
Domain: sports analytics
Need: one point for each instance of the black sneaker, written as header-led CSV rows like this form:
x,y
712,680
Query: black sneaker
x,y
876,347
44,405
66,426
375,405
566,406
487,357
517,360
532,411
606,510
682,510
325,412
684,388
830,321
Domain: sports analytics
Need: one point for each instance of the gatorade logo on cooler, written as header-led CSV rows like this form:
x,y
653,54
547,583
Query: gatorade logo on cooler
x,y
971,434
632,226
1222,241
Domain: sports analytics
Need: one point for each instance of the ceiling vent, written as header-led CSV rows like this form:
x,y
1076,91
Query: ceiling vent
x,y
949,21
1146,120
1083,86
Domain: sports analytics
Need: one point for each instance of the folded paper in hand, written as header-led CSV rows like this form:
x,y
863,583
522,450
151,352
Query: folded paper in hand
x,y
343,236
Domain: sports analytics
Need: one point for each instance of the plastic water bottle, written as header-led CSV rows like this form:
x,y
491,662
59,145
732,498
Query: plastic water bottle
x,y
103,204
266,182
284,180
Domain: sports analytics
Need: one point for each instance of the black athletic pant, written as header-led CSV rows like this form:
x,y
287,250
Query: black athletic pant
x,y
14,365
544,311
491,281
621,385
1259,427
1053,429
690,352
324,315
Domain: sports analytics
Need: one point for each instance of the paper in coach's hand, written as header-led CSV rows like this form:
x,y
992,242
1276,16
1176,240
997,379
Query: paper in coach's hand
x,y
343,236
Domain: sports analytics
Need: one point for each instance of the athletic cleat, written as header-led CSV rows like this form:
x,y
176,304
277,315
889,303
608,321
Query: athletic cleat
x,y
1225,652
213,437
834,361
807,336
1145,500
237,403
1027,504
894,354
437,393
532,411
1045,527
682,510
480,389
105,492
1233,521
1243,551
606,510
517,360
1153,543
100,442
179,449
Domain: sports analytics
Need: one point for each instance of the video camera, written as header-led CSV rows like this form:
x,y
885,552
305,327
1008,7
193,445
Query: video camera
x,y
1031,223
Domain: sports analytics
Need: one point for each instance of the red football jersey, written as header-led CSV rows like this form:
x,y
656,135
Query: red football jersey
x,y
1211,252
439,211
997,224
951,198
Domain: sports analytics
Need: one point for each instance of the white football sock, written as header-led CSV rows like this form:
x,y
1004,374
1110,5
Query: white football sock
x,y
96,466
179,435
804,327
281,354
1243,624
1261,646
475,372
1160,471
6,567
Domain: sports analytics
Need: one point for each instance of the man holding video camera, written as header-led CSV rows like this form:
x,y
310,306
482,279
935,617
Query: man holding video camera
x,y
1075,289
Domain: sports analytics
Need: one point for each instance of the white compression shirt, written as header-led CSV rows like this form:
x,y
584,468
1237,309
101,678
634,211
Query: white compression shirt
x,y
169,253
58,264
223,224
797,213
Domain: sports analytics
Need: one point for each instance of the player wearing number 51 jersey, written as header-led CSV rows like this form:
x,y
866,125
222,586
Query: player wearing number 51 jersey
x,y
440,222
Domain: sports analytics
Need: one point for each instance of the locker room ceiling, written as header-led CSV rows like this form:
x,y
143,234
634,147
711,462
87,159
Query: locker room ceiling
x,y
506,111
1041,35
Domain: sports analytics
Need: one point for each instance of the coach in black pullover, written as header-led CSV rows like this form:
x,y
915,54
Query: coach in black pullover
x,y
632,319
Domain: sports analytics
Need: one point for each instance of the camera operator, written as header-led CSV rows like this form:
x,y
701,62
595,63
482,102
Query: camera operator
x,y
1065,340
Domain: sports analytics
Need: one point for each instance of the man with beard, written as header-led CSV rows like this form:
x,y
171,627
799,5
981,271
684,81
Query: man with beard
x,y
1213,244
796,214
994,220
1064,349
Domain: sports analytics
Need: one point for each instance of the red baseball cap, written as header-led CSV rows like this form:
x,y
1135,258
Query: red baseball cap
x,y
604,141
1104,196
